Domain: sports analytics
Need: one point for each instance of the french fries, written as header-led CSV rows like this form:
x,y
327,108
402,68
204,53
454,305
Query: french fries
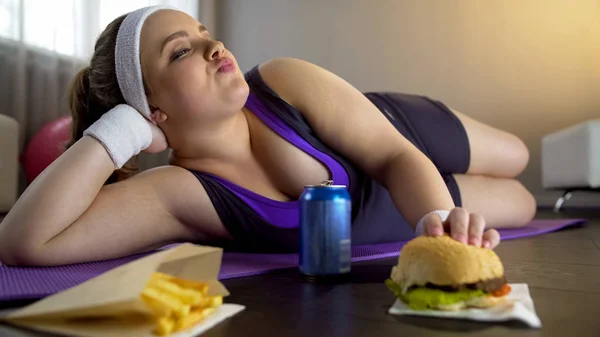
x,y
178,304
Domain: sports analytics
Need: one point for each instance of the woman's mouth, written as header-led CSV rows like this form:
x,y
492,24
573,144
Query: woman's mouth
x,y
226,66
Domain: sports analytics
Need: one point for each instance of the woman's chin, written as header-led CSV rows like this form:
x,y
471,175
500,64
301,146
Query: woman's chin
x,y
238,92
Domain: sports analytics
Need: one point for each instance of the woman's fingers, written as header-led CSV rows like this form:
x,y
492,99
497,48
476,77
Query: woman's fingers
x,y
491,238
476,228
459,224
463,227
159,140
433,225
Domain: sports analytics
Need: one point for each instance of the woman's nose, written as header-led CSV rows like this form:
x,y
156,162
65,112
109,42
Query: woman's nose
x,y
215,50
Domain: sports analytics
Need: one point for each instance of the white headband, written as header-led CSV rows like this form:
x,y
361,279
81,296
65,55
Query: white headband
x,y
127,58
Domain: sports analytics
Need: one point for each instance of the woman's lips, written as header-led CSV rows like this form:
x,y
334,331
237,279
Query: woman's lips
x,y
226,66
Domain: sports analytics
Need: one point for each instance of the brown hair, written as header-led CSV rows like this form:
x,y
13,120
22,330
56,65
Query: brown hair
x,y
95,90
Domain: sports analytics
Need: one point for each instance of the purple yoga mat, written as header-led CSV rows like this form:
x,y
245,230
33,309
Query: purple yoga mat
x,y
18,283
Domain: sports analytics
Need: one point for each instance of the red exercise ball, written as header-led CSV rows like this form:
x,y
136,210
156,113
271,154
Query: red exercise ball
x,y
45,146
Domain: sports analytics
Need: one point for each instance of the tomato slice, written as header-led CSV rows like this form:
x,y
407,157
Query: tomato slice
x,y
502,291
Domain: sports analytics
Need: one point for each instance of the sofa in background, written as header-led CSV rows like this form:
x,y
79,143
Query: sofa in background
x,y
9,162
571,160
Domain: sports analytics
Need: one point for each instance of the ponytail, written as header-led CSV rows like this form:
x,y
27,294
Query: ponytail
x,y
79,104
95,90
85,110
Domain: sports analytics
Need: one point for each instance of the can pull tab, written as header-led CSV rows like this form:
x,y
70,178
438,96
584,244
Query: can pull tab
x,y
327,183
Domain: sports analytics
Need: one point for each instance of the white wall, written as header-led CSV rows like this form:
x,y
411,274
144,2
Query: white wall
x,y
530,67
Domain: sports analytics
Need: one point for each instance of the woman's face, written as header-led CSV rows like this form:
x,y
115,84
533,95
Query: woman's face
x,y
191,77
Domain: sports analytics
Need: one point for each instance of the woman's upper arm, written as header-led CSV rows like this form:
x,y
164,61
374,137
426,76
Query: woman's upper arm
x,y
339,113
145,212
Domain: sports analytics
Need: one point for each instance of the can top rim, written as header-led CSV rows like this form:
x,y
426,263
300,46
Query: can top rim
x,y
326,186
326,183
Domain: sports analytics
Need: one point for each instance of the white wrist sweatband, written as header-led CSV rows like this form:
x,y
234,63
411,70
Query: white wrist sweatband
x,y
123,132
442,213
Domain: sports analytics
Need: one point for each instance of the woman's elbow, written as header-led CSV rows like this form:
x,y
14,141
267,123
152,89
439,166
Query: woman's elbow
x,y
17,253
8,256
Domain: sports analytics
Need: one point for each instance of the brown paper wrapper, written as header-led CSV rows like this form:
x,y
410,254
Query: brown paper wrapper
x,y
110,304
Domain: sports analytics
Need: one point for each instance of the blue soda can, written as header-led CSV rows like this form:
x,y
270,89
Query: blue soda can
x,y
325,229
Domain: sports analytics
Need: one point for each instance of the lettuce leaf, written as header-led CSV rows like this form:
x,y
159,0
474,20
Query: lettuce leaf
x,y
422,298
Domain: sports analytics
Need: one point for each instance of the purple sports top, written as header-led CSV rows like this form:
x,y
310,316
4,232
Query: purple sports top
x,y
283,214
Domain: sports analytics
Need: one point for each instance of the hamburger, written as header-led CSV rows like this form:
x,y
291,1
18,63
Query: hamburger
x,y
441,273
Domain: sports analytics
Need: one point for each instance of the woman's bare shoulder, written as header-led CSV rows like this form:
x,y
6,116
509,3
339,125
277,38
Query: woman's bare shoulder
x,y
302,83
276,74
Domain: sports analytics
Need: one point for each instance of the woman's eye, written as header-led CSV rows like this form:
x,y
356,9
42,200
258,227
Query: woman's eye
x,y
179,53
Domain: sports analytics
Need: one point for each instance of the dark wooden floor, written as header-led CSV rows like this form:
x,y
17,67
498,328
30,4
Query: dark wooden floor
x,y
562,270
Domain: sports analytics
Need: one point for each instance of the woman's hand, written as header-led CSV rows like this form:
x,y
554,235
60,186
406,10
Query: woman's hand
x,y
463,226
159,141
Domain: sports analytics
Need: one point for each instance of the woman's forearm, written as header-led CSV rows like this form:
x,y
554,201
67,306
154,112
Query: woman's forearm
x,y
415,185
